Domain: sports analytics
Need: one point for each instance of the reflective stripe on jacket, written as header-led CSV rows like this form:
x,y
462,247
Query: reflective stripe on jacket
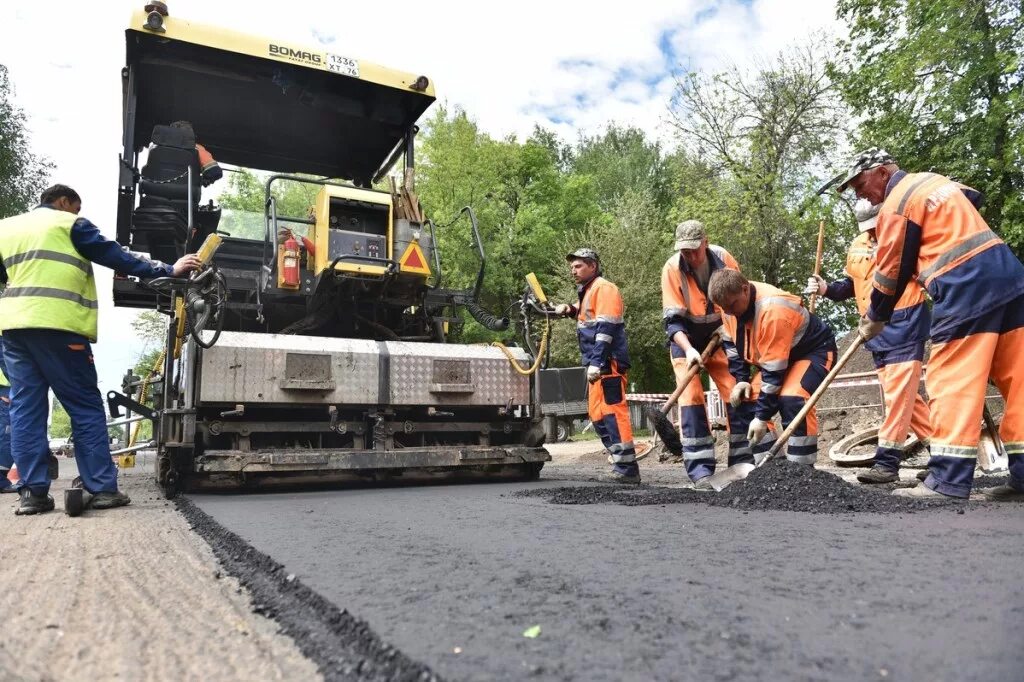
x,y
929,229
600,327
50,285
776,331
685,306
911,318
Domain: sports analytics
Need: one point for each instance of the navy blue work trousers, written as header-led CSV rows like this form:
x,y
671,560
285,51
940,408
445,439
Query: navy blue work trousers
x,y
42,359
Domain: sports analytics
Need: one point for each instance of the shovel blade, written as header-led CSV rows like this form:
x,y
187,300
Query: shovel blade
x,y
990,459
737,472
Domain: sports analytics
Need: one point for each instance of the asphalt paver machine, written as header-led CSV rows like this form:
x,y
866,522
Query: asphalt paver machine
x,y
313,348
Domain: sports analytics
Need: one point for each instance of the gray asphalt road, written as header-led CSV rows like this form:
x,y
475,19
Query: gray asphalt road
x,y
453,575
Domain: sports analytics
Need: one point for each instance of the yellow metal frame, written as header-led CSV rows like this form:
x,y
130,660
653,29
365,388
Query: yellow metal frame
x,y
323,214
217,37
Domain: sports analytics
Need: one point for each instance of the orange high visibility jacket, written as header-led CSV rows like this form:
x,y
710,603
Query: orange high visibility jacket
x,y
685,306
211,170
929,229
600,327
775,331
911,318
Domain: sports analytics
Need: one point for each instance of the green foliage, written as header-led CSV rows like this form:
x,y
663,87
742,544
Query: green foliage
x,y
60,421
243,204
23,175
519,192
754,145
633,245
939,85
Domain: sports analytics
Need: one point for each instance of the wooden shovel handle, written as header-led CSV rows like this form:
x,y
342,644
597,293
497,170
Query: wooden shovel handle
x,y
713,344
809,405
817,263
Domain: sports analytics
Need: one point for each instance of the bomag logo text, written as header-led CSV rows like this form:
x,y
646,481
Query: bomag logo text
x,y
290,53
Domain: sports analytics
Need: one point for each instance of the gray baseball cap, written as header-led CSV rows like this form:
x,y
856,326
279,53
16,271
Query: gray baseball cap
x,y
866,160
689,234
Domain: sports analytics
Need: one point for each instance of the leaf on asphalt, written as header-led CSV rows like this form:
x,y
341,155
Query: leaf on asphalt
x,y
532,632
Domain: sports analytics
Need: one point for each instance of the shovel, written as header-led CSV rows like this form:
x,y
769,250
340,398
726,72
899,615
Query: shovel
x,y
738,472
666,431
992,456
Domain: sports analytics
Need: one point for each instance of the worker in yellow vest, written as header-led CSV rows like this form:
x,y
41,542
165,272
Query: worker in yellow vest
x,y
48,317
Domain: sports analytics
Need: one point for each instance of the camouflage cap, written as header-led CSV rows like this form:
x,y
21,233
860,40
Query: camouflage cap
x,y
690,234
584,252
866,160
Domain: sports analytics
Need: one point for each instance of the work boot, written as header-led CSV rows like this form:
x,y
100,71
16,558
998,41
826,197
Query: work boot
x,y
922,474
109,500
5,483
922,492
623,477
1002,493
877,474
702,483
33,504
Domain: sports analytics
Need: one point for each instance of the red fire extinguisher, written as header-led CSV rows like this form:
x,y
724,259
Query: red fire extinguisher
x,y
290,264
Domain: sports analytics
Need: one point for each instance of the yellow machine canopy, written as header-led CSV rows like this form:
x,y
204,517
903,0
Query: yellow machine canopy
x,y
267,104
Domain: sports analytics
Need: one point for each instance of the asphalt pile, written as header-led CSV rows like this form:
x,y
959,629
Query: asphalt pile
x,y
778,485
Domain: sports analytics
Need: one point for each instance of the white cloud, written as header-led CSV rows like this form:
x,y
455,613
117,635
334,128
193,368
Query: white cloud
x,y
573,67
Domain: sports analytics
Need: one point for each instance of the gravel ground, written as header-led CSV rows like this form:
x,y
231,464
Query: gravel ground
x,y
128,594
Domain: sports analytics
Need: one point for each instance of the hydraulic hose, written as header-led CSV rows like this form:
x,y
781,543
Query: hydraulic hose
x,y
540,352
487,319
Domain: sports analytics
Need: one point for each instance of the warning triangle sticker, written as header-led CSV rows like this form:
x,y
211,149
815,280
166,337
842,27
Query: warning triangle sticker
x,y
413,260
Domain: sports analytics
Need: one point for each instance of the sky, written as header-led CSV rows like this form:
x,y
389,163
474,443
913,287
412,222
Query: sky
x,y
568,66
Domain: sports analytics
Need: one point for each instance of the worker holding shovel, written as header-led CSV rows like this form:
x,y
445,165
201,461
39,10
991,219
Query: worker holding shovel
x,y
794,349
929,229
897,352
690,320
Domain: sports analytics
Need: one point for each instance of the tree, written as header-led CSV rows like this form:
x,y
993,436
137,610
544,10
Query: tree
x,y
635,227
765,136
521,196
23,174
60,421
938,84
243,204
623,160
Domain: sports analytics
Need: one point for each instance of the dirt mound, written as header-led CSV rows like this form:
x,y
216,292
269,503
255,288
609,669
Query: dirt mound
x,y
779,485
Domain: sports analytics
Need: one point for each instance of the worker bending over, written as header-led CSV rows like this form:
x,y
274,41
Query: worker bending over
x,y
601,332
897,352
690,320
769,328
929,230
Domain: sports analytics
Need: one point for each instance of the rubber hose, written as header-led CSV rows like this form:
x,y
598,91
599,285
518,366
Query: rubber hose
x,y
492,322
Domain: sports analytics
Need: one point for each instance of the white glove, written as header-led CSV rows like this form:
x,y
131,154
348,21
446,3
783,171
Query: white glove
x,y
740,392
593,373
869,329
693,358
563,309
756,431
815,285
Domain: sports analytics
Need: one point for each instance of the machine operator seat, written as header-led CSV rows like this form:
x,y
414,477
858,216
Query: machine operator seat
x,y
160,223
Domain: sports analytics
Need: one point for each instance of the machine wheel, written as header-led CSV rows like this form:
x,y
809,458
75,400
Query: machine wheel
x,y
74,501
563,430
